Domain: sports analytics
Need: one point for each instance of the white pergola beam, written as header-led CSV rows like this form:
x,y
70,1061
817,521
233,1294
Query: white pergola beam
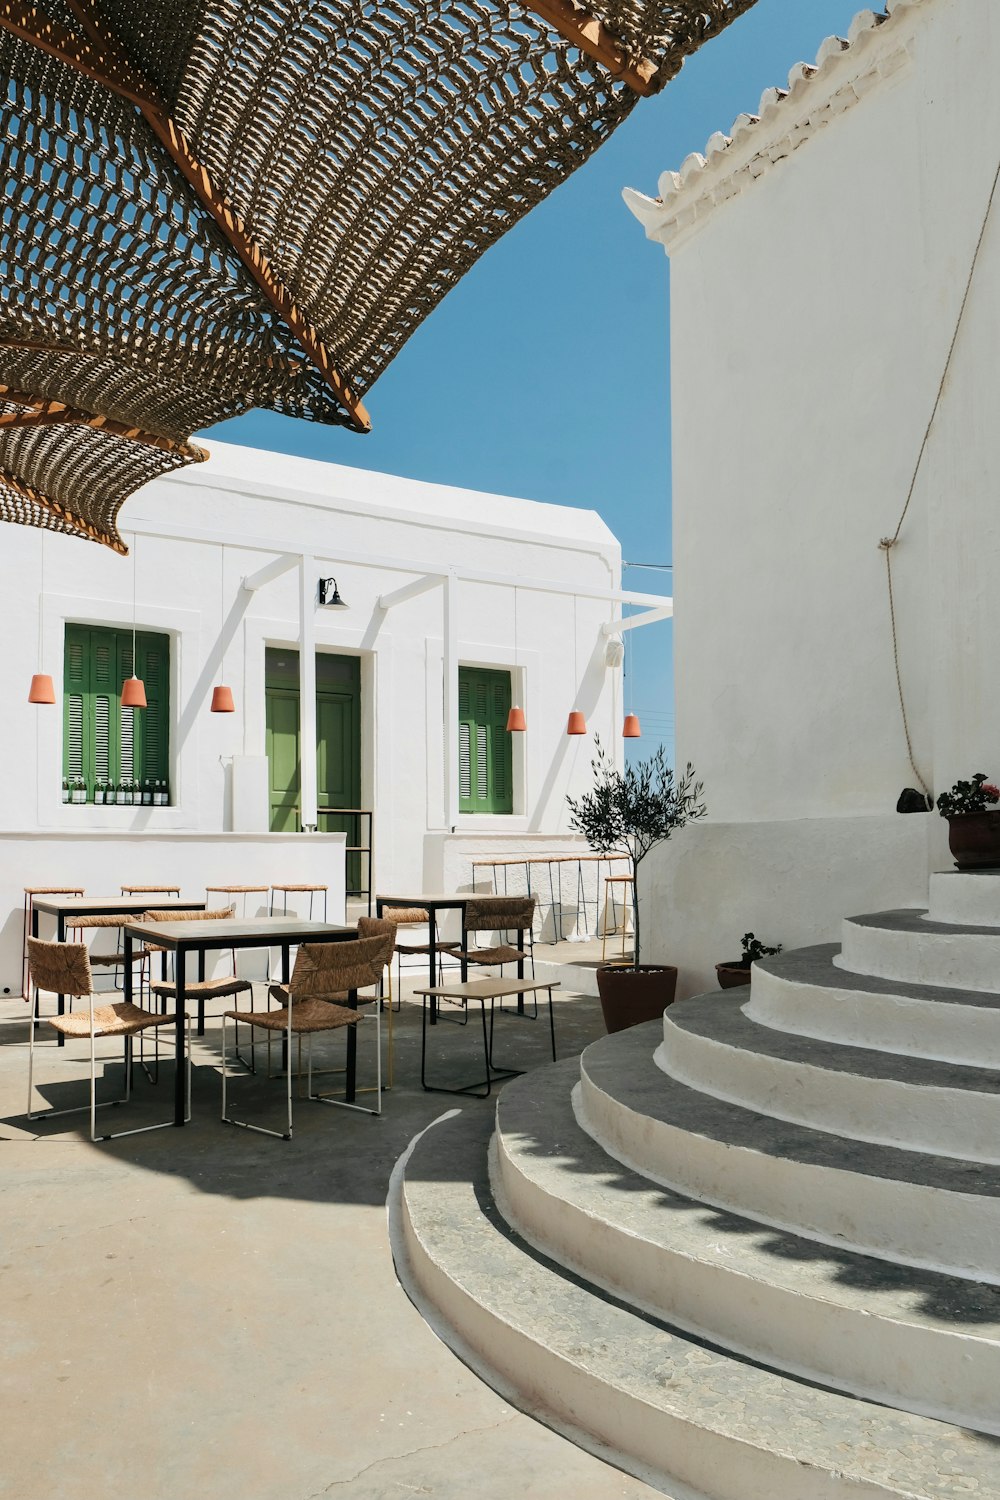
x,y
412,590
632,622
271,570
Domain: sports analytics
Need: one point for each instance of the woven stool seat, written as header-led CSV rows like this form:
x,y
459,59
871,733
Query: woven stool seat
x,y
121,1019
502,953
203,989
296,887
112,960
144,890
53,890
238,890
306,1015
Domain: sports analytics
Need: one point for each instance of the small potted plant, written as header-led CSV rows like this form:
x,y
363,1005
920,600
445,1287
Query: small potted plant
x,y
973,823
630,812
736,971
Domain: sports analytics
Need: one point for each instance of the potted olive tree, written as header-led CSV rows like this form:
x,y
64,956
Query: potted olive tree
x,y
630,812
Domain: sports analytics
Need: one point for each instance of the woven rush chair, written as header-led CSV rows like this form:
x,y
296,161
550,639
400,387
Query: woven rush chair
x,y
114,960
505,916
64,968
321,970
30,892
199,990
415,916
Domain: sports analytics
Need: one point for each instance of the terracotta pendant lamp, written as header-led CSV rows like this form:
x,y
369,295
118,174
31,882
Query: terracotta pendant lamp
x,y
576,723
516,722
630,729
133,688
42,689
222,696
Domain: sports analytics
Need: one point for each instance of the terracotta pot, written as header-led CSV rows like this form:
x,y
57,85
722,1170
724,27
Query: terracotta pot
x,y
732,973
974,840
631,996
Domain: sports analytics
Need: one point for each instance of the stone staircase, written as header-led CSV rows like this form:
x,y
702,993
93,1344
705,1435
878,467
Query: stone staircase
x,y
750,1253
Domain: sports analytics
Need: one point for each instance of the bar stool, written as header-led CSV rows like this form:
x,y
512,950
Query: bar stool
x,y
287,890
148,949
610,881
244,891
30,892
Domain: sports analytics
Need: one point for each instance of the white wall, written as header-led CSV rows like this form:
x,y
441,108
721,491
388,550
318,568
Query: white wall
x,y
818,263
198,533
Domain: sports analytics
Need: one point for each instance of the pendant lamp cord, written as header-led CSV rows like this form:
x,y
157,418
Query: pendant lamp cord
x,y
135,564
888,542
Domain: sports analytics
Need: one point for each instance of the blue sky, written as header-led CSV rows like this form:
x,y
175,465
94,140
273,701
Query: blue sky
x,y
545,373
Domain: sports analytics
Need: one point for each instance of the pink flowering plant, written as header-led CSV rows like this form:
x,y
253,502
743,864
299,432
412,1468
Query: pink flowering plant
x,y
975,796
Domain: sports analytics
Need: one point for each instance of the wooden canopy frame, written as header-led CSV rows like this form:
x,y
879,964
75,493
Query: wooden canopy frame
x,y
272,213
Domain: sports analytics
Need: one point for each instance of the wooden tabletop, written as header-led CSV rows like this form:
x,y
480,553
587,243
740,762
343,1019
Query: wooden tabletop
x,y
261,930
489,989
430,898
88,906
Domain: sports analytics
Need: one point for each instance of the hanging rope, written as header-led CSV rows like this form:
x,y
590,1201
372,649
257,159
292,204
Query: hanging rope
x,y
888,542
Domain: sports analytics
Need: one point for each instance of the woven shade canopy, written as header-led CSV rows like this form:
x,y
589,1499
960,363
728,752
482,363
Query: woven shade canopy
x,y
211,205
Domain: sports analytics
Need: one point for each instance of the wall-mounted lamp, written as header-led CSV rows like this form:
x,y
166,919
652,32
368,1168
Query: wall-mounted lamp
x,y
330,594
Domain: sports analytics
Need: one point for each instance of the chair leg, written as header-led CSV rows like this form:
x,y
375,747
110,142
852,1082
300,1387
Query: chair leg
x,y
228,1119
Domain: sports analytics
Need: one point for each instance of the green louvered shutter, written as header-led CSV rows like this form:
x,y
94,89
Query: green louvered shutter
x,y
101,739
76,703
485,781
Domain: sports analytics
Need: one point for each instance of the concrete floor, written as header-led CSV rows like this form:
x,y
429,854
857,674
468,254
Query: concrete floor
x,y
209,1314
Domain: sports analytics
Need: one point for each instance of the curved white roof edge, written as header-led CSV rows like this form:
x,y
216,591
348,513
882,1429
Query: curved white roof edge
x,y
755,142
331,486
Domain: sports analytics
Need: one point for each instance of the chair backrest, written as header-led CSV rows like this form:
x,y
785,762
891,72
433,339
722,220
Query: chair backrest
x,y
323,969
499,914
222,915
62,968
376,927
408,916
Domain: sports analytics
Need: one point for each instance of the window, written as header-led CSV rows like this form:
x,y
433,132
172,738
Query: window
x,y
485,780
102,741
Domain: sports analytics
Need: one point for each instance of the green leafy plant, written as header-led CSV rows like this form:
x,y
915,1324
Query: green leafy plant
x,y
975,796
630,811
753,949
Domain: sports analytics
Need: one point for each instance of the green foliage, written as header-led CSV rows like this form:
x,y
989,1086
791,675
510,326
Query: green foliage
x,y
630,811
977,795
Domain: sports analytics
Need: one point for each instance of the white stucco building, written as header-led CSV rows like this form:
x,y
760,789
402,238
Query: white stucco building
x,y
411,681
819,256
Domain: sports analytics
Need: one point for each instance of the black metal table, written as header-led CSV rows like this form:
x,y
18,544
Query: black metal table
x,y
182,938
65,908
432,904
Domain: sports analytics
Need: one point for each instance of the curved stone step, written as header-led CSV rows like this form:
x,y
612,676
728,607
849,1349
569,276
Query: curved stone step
x,y
908,946
805,991
629,1387
918,1103
916,1339
965,897
930,1211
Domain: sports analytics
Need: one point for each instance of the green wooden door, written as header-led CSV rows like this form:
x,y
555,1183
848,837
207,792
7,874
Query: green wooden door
x,y
485,759
338,743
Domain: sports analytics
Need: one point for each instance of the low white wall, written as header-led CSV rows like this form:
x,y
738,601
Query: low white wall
x,y
790,883
102,862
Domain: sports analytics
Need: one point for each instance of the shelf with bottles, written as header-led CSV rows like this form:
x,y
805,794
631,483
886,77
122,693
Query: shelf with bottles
x,y
152,791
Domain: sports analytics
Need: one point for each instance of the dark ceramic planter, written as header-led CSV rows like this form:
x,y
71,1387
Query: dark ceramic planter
x,y
974,840
732,974
631,996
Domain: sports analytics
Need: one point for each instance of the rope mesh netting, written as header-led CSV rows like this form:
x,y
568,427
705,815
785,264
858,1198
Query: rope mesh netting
x,y
369,150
